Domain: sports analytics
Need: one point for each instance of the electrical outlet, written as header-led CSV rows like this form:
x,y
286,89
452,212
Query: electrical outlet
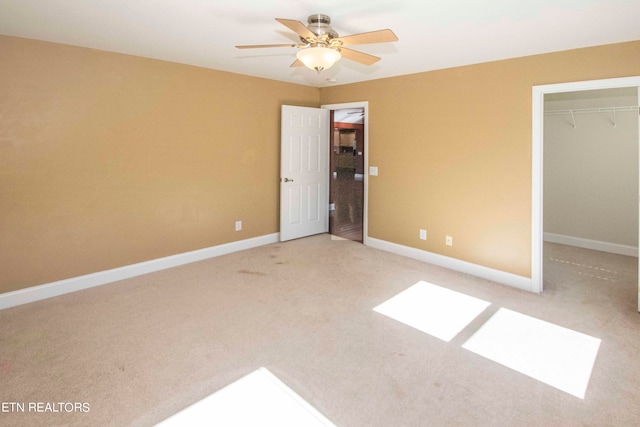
x,y
448,241
423,234
238,225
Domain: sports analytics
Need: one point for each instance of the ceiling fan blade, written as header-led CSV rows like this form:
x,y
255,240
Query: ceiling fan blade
x,y
258,46
297,63
354,55
380,36
298,28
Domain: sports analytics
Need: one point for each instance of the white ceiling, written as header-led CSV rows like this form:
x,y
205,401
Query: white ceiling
x,y
433,34
349,115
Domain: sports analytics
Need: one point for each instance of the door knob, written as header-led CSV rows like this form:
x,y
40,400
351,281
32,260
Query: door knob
x,y
287,180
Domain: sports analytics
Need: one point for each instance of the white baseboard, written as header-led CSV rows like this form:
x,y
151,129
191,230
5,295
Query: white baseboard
x,y
595,245
61,287
487,273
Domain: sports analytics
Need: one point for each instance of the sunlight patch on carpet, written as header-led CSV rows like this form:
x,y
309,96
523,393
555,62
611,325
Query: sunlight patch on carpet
x,y
557,356
432,309
334,237
257,399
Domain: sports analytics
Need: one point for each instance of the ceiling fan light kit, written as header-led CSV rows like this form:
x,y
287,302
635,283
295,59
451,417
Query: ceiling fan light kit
x,y
319,58
321,46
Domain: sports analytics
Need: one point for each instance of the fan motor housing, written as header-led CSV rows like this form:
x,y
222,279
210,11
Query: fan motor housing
x,y
320,26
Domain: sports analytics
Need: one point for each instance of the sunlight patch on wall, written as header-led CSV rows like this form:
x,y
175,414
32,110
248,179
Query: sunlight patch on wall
x,y
437,311
557,356
258,398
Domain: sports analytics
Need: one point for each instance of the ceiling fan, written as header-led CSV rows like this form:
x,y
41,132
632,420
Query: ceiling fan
x,y
321,47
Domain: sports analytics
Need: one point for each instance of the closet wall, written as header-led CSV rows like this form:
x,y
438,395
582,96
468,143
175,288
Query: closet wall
x,y
591,169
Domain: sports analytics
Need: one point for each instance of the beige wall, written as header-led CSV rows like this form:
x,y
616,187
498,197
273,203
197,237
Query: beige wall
x,y
453,149
108,160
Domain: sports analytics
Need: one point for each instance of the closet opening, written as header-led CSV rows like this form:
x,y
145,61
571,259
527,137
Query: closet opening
x,y
590,191
586,138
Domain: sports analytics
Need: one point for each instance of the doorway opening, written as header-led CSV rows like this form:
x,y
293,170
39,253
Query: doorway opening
x,y
538,154
347,171
590,205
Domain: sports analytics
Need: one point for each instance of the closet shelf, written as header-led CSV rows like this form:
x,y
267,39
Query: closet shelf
x,y
573,112
591,110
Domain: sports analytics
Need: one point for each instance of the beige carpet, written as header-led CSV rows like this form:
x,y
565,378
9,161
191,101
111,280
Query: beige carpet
x,y
139,350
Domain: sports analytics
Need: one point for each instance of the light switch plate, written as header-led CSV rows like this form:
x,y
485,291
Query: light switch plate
x,y
373,170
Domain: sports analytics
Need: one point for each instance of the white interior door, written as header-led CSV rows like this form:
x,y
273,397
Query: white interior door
x,y
304,172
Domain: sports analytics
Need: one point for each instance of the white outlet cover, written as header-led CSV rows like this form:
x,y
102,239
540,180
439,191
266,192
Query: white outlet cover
x,y
238,225
423,234
373,170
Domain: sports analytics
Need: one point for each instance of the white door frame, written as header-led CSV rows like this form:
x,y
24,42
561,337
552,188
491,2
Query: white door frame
x,y
537,174
365,206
